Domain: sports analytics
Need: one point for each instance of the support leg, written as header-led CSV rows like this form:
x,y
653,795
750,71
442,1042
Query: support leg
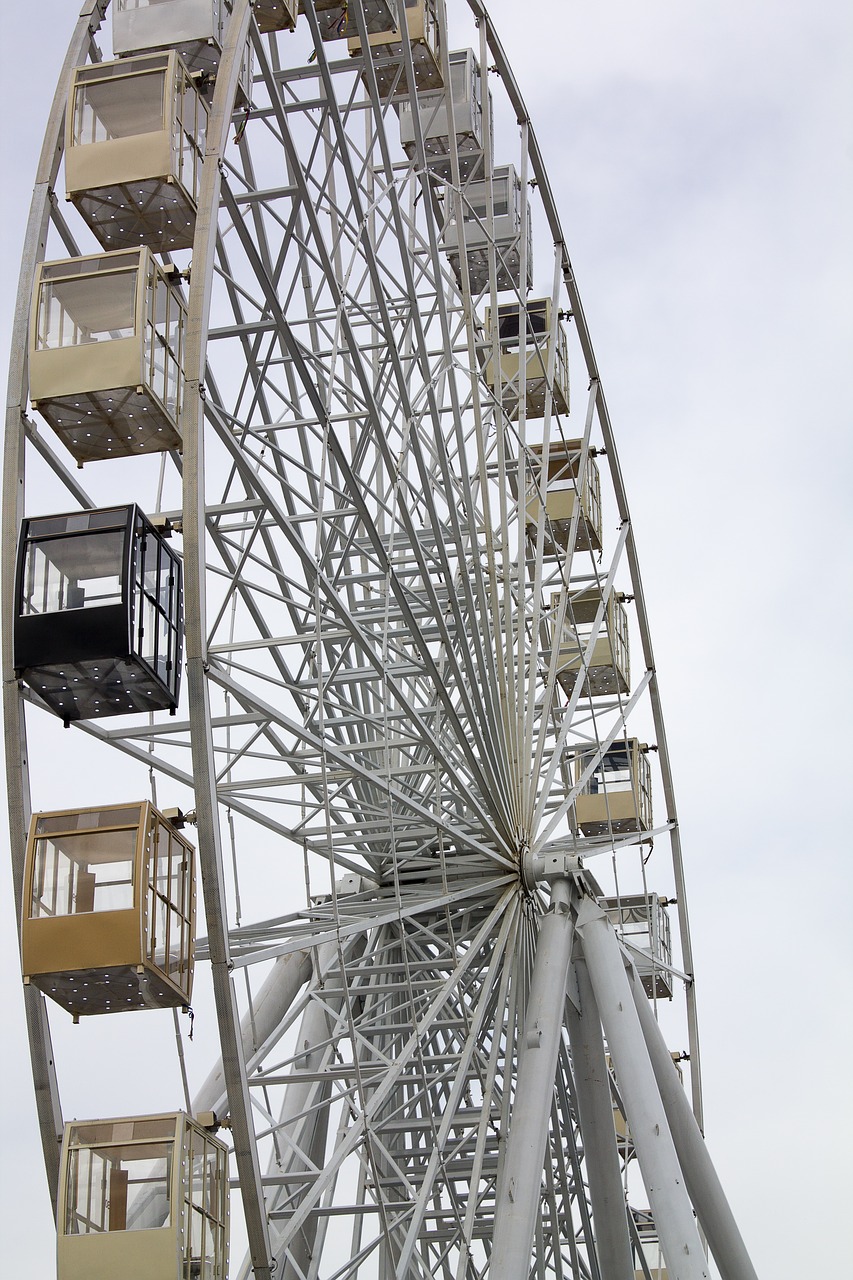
x,y
707,1194
520,1186
592,1085
653,1143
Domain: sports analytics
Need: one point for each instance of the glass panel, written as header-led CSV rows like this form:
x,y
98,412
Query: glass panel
x,y
613,771
163,654
81,572
148,638
77,873
509,322
156,343
163,344
83,309
459,78
537,318
89,820
211,1184
176,964
477,200
119,1188
123,5
168,944
165,597
80,522
118,107
170,396
190,130
87,1197
151,561
204,1244
158,925
180,867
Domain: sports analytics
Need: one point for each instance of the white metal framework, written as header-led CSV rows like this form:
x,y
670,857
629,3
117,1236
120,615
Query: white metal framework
x,y
377,595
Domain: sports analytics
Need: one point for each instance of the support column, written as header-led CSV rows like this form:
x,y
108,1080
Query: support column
x,y
595,1105
520,1187
662,1175
706,1192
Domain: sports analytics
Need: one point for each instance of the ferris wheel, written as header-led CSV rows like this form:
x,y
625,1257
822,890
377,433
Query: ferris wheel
x,y
348,587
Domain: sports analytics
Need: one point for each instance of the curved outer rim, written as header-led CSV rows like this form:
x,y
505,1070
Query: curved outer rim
x,y
14,728
478,8
204,772
18,429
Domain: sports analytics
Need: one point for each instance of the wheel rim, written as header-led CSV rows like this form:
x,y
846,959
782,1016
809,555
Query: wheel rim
x,y
368,612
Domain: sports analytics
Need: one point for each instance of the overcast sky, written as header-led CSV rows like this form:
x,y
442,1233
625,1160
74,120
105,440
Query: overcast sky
x,y
701,157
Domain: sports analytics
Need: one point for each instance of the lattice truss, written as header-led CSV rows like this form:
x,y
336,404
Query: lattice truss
x,y
385,714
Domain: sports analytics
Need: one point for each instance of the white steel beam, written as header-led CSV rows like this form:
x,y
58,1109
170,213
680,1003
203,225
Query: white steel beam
x,y
662,1174
520,1188
595,1105
712,1207
204,769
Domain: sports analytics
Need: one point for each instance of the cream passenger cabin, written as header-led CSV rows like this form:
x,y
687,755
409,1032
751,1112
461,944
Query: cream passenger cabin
x,y
608,669
143,1198
386,51
109,910
193,28
134,149
464,128
106,354
617,797
572,487
98,614
491,223
544,349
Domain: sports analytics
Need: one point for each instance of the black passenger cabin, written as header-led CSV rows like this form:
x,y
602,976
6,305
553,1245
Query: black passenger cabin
x,y
99,614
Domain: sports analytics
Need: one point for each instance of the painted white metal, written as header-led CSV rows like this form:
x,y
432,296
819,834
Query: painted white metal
x,y
520,1186
367,689
712,1207
604,1170
662,1174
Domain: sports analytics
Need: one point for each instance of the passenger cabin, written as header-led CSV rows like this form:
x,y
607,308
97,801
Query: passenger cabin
x,y
491,222
143,1198
608,670
193,28
617,796
134,149
336,21
98,614
438,128
109,910
106,354
642,922
542,340
571,482
388,58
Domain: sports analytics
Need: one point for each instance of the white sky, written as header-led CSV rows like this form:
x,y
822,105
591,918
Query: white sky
x,y
702,158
